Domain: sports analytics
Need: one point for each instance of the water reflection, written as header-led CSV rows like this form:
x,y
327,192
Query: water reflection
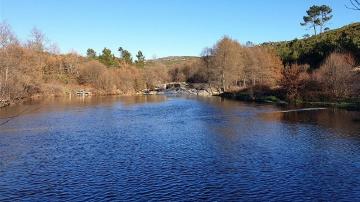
x,y
134,100
73,103
336,119
176,148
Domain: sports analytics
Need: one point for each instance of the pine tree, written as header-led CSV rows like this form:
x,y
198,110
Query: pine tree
x,y
125,56
317,16
140,62
90,53
107,58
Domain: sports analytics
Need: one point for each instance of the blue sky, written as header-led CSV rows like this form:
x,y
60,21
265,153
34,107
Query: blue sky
x,y
163,27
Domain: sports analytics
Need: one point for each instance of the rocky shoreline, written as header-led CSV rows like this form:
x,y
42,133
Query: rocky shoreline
x,y
187,89
182,88
4,103
174,88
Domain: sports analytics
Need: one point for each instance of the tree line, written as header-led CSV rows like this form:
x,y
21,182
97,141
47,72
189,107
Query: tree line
x,y
110,60
258,71
228,65
322,67
36,67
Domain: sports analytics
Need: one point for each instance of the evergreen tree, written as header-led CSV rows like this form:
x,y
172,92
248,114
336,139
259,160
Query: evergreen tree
x,y
107,58
140,62
90,53
325,16
317,16
125,56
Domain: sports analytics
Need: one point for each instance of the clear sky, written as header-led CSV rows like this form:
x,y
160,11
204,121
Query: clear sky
x,y
163,27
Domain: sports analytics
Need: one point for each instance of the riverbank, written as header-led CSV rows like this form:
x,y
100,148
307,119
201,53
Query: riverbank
x,y
4,103
192,89
246,97
272,99
64,91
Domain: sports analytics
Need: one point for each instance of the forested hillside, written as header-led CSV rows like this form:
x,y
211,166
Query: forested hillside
x,y
313,50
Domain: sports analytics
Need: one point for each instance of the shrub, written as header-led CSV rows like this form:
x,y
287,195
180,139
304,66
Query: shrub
x,y
336,75
90,72
293,81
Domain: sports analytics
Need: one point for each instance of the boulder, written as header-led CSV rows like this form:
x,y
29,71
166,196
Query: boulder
x,y
203,93
4,103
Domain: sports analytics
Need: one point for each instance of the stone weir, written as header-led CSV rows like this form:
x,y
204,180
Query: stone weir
x,y
182,88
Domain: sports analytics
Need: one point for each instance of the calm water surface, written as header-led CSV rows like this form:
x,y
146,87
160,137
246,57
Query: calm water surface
x,y
176,149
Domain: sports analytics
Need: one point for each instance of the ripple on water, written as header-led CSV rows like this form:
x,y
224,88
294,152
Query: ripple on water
x,y
179,150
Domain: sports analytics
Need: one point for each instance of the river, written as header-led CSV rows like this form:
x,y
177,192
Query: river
x,y
176,149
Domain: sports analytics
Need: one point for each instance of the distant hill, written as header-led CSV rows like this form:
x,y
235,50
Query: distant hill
x,y
312,50
172,61
315,49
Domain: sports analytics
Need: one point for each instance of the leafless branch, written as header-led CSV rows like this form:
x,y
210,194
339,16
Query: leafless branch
x,y
355,5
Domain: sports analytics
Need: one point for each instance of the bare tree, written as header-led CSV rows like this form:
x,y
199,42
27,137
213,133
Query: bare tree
x,y
206,56
268,66
54,49
355,5
336,74
252,68
37,40
293,80
227,55
231,66
7,38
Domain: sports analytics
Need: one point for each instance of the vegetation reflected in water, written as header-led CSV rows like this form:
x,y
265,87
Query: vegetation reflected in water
x,y
176,148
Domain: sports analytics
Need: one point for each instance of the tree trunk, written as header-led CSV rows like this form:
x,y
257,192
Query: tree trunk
x,y
6,74
1,90
223,81
6,86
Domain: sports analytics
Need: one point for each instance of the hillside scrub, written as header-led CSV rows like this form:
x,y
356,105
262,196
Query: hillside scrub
x,y
32,68
318,69
336,80
313,50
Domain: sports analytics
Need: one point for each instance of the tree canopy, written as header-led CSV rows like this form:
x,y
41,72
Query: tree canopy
x,y
90,53
140,59
317,16
107,58
125,56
